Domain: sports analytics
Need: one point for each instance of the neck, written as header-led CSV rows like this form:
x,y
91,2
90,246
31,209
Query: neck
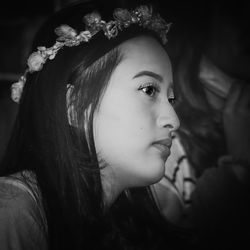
x,y
112,187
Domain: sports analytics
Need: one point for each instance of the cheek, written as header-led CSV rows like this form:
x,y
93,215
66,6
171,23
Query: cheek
x,y
123,140
119,131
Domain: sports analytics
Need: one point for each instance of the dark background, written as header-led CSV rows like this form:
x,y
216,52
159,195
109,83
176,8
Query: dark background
x,y
19,21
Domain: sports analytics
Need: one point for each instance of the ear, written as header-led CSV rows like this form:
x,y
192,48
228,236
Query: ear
x,y
70,107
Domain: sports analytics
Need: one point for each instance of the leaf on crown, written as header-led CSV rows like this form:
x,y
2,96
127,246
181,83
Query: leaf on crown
x,y
35,61
122,15
65,32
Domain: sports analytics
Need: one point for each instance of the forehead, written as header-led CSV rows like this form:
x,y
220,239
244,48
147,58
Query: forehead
x,y
146,53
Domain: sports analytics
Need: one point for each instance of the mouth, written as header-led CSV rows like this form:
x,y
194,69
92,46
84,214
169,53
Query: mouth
x,y
163,146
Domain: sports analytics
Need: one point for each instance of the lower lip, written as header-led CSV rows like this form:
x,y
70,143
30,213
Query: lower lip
x,y
164,150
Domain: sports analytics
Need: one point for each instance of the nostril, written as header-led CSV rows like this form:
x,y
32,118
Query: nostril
x,y
168,126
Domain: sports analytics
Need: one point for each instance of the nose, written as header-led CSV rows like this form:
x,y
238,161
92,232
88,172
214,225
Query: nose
x,y
167,118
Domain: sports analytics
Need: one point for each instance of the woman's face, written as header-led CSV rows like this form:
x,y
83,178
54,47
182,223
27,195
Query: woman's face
x,y
133,124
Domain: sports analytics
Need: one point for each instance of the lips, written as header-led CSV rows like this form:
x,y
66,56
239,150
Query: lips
x,y
163,146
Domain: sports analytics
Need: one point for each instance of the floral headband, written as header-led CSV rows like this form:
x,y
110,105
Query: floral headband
x,y
67,36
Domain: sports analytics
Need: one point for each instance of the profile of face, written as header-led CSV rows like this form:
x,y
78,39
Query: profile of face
x,y
135,119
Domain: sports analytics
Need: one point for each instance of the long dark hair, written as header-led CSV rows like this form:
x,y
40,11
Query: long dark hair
x,y
64,162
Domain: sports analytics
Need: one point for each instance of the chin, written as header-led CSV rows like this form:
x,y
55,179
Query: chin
x,y
146,177
156,174
159,177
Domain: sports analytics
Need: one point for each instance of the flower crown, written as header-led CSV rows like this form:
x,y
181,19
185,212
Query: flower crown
x,y
67,36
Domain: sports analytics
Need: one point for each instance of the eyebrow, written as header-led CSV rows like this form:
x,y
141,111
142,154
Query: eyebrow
x,y
149,73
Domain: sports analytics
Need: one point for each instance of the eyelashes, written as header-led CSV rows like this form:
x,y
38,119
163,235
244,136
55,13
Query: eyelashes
x,y
172,100
152,89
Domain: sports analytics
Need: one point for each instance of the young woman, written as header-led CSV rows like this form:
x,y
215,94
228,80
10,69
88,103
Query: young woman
x,y
95,120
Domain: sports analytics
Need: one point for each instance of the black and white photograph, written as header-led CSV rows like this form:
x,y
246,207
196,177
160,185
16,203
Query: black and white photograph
x,y
124,125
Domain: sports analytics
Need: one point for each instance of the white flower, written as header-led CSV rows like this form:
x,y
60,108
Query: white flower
x,y
65,32
16,90
35,61
85,35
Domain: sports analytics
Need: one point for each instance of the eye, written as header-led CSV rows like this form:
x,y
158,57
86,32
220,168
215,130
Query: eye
x,y
172,100
150,89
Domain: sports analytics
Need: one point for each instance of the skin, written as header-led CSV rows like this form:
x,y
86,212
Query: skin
x,y
135,112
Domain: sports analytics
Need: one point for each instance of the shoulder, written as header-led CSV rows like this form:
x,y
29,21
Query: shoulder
x,y
15,197
21,224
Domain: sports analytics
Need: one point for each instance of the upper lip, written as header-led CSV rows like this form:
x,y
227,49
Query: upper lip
x,y
167,142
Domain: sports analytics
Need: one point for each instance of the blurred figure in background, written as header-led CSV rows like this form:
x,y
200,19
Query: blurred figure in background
x,y
212,75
